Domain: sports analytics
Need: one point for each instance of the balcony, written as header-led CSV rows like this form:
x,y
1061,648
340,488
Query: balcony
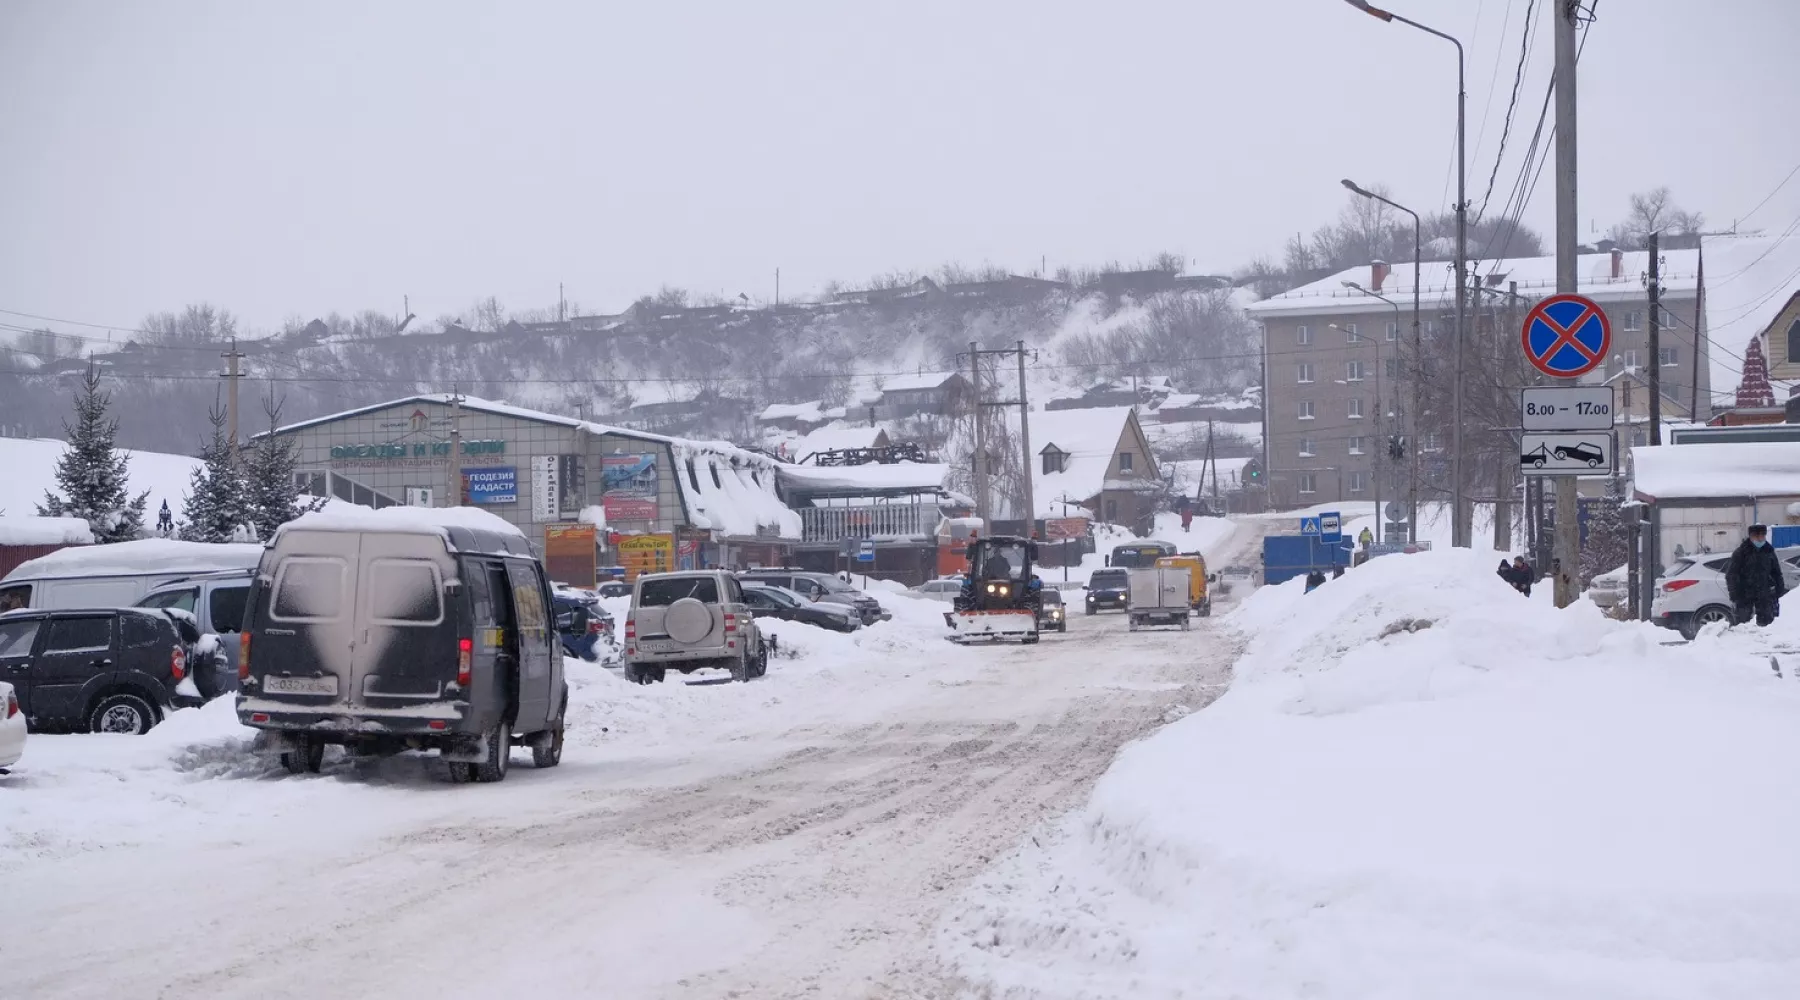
x,y
887,521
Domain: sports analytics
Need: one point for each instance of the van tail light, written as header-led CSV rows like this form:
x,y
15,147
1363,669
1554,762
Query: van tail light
x,y
243,657
1674,585
177,662
465,662
631,628
731,622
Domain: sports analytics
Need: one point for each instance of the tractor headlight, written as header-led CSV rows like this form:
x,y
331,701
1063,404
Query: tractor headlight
x,y
1003,589
990,588
1056,613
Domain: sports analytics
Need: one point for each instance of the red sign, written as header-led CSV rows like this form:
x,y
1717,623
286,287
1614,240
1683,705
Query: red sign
x,y
1566,335
1060,529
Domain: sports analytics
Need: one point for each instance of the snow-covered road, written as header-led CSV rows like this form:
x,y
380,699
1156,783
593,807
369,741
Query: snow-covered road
x,y
800,836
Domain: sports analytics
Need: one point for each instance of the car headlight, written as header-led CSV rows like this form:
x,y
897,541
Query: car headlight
x,y
1057,613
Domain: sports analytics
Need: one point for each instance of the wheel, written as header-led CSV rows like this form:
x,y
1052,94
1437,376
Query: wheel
x,y
762,661
499,755
1091,612
1064,627
637,674
742,669
123,712
307,759
1560,454
1134,625
1029,639
1593,463
1537,463
550,753
1706,616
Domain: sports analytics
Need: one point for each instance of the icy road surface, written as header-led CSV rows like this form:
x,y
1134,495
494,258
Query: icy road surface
x,y
799,836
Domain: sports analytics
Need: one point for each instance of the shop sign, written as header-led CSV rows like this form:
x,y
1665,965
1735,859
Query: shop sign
x,y
496,485
630,487
569,555
396,450
646,554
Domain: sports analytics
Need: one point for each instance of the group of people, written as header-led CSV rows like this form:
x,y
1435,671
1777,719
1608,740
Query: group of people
x,y
1518,574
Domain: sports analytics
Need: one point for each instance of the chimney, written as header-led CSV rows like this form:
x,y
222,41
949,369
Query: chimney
x,y
1378,272
1618,263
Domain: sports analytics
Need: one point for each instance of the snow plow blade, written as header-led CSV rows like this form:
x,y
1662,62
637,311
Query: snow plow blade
x,y
992,626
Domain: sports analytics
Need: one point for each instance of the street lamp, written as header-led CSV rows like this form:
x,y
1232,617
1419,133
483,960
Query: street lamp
x,y
1380,414
1458,536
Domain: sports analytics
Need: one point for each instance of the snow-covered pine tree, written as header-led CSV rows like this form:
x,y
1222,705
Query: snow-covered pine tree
x,y
269,473
217,507
92,475
1608,543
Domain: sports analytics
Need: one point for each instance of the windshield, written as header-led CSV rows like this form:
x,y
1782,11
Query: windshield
x,y
778,595
666,591
1004,560
833,585
1108,578
1050,596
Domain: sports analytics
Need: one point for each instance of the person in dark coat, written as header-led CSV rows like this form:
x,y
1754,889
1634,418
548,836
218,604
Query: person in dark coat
x,y
1314,580
1522,575
1753,578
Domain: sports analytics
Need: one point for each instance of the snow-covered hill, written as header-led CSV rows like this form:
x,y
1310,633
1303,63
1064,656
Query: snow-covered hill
x,y
29,466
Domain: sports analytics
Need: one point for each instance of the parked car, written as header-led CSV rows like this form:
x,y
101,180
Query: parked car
x,y
114,576
1107,590
615,588
581,623
12,727
944,590
103,670
390,633
821,587
217,603
1691,594
688,621
1052,612
785,605
1607,590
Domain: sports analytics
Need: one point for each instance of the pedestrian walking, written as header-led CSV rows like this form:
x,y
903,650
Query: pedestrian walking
x,y
1753,579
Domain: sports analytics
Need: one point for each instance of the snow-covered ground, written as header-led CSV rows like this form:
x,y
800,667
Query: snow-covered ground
x,y
30,465
1423,785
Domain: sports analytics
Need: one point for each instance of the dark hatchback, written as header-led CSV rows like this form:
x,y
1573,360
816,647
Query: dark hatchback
x,y
111,670
785,605
1106,590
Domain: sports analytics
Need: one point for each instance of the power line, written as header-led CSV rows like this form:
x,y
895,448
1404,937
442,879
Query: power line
x,y
1790,176
1518,79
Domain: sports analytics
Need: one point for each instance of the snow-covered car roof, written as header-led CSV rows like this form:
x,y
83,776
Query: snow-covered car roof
x,y
150,556
463,529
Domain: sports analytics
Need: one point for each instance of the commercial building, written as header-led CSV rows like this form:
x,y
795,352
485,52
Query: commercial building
x,y
634,499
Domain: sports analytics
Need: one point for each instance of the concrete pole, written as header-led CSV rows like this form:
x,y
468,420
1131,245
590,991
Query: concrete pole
x,y
1463,519
1567,552
1653,356
1025,444
455,499
978,468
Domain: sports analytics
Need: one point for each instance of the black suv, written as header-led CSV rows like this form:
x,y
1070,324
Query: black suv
x,y
822,587
109,670
1107,589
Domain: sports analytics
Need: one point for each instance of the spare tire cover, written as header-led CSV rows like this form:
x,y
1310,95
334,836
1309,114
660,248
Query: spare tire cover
x,y
688,620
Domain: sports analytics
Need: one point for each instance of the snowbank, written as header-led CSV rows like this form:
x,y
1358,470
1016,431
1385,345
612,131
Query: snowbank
x,y
1422,784
150,555
1745,469
45,531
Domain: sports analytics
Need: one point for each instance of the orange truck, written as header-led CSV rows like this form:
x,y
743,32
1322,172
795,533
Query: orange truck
x,y
1199,597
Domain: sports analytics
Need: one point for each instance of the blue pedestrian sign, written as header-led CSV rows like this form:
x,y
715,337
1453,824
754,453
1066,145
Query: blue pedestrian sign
x,y
865,552
1309,526
1331,527
1566,335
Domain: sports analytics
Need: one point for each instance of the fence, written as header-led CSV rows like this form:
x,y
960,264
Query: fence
x,y
831,524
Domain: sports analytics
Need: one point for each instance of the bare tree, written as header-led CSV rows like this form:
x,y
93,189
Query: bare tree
x,y
1654,211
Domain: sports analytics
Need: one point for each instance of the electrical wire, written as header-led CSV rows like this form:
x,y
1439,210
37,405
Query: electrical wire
x,y
1525,42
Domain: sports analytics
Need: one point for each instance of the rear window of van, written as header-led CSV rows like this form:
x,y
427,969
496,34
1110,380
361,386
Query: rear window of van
x,y
662,593
405,590
309,589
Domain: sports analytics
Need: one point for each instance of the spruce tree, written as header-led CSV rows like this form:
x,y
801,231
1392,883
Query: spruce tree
x,y
269,473
217,507
92,475
1608,544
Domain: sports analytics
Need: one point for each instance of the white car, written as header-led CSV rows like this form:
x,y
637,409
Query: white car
x,y
12,728
1692,595
940,590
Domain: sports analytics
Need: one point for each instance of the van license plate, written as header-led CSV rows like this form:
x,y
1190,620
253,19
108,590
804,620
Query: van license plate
x,y
655,645
300,685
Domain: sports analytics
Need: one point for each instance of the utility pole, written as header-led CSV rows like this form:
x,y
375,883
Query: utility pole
x,y
1653,353
1699,325
562,304
1462,520
232,375
978,468
1212,463
455,448
1566,558
1025,442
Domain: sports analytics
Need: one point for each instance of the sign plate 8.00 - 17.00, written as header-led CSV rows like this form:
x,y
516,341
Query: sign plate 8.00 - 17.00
x,y
1567,408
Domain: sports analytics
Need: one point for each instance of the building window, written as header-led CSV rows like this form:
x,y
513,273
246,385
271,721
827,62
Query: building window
x,y
1668,357
1308,483
1393,332
1634,319
1053,459
1433,443
1112,511
1356,446
1303,336
1630,359
1306,372
1356,408
1668,318
1350,333
1357,482
1639,439
1124,461
1392,367
693,477
1306,447
1306,409
1354,371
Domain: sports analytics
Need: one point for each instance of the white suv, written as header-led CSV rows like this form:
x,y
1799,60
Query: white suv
x,y
1692,594
691,621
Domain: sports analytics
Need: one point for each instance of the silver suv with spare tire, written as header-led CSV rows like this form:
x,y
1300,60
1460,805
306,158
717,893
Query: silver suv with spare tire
x,y
691,621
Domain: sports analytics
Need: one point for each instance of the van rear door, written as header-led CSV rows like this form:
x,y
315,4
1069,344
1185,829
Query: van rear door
x,y
406,631
303,645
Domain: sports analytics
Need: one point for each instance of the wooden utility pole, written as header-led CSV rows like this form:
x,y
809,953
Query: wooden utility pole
x,y
1653,351
232,375
1025,444
456,483
977,467
1699,325
1212,463
1563,13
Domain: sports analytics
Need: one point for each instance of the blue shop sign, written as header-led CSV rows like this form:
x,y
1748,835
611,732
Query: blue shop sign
x,y
495,485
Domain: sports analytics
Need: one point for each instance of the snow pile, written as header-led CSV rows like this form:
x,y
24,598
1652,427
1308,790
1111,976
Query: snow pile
x,y
424,520
732,491
1743,469
873,478
45,531
1423,784
146,557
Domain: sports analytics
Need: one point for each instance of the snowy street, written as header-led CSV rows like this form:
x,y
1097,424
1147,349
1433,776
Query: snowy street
x,y
799,836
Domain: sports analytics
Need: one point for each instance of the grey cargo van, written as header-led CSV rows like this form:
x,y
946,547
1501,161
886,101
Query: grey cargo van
x,y
385,635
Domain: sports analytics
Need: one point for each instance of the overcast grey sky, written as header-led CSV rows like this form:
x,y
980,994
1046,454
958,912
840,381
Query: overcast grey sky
x,y
285,159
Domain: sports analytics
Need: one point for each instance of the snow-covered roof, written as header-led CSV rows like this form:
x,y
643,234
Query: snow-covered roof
x,y
732,491
1714,471
141,558
807,413
1536,277
474,405
1089,438
833,438
874,478
45,531
923,380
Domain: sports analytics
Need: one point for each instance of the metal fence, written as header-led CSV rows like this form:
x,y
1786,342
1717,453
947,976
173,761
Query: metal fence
x,y
830,524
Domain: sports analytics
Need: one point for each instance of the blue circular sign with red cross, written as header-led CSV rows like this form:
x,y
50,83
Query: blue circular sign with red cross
x,y
1566,335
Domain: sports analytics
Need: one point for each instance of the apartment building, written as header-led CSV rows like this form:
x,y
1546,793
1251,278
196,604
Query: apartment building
x,y
1338,382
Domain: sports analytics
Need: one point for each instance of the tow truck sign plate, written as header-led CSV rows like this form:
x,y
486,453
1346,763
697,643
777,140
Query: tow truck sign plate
x,y
1568,454
1567,408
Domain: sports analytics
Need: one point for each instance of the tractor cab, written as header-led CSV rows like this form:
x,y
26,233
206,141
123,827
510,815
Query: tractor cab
x,y
1000,575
